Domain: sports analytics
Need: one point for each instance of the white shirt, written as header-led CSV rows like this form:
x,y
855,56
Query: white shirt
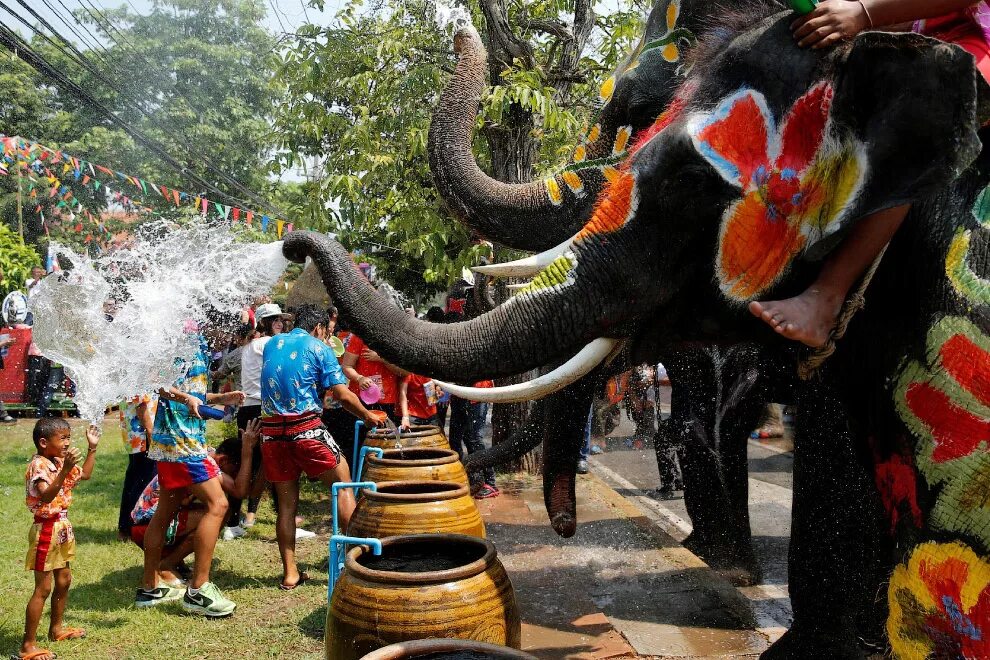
x,y
251,358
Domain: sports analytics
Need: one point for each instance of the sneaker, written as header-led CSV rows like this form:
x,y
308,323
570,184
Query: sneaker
x,y
486,491
304,534
582,467
595,449
7,419
231,533
208,602
156,596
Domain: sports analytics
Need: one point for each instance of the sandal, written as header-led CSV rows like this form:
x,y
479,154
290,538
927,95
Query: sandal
x,y
303,576
34,655
69,633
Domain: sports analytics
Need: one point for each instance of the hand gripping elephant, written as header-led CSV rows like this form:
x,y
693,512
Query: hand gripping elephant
x,y
758,160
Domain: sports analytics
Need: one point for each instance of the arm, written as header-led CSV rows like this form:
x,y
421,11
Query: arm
x,y
48,493
92,441
347,364
837,20
404,402
240,485
372,356
177,395
234,398
354,406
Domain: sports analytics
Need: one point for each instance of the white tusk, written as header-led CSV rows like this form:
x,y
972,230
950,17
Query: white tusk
x,y
578,366
525,267
516,287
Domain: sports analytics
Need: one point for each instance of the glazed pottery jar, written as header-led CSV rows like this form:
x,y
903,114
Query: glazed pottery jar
x,y
417,436
421,586
416,507
417,463
446,649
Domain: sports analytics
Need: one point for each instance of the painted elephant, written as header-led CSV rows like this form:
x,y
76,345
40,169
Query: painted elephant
x,y
758,160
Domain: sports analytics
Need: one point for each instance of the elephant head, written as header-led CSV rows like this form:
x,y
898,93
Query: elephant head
x,y
537,216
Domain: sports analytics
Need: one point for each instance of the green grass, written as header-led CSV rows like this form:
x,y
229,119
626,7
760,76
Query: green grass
x,y
269,623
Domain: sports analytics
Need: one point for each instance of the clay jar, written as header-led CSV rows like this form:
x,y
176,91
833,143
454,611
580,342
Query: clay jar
x,y
421,586
417,436
419,463
416,507
446,649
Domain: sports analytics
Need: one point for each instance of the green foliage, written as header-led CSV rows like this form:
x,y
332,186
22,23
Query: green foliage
x,y
16,261
360,95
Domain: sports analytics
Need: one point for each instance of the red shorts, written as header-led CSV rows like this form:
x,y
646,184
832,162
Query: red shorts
x,y
172,476
285,460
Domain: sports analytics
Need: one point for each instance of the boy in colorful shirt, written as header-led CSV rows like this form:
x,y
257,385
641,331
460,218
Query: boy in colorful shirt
x,y
298,368
52,474
178,444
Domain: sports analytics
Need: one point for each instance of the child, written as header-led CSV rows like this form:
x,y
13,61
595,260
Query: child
x,y
52,474
811,316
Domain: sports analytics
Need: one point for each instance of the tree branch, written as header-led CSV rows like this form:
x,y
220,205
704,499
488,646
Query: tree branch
x,y
556,28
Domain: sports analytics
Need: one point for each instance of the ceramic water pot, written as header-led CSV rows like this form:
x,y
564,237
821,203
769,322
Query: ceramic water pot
x,y
418,463
416,507
446,649
421,586
417,436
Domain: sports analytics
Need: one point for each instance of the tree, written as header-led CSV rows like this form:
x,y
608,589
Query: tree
x,y
16,261
360,97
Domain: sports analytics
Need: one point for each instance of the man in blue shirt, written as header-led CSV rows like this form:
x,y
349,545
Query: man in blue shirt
x,y
297,369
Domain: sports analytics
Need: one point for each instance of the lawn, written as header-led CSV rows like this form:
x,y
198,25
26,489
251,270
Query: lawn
x,y
269,623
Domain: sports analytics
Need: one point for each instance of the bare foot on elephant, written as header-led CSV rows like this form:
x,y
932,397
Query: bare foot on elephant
x,y
807,318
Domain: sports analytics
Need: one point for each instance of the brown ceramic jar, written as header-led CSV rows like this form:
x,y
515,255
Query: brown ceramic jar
x,y
442,649
417,463
416,507
421,586
417,436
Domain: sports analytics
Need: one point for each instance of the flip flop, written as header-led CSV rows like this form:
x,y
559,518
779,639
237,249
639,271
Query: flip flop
x,y
34,655
70,633
303,576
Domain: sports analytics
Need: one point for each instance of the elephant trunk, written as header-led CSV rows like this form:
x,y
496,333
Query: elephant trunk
x,y
528,216
525,333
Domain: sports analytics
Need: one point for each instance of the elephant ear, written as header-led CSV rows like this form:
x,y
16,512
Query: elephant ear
x,y
912,101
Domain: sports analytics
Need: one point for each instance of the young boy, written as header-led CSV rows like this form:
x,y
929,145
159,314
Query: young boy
x,y
184,466
52,474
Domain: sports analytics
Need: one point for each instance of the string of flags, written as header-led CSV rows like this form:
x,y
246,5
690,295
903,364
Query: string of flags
x,y
46,170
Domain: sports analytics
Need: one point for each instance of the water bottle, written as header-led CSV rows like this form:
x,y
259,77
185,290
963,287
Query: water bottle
x,y
209,412
803,6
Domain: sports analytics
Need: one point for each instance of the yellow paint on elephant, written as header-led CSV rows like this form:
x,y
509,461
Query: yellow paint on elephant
x,y
611,173
673,12
607,89
580,153
830,185
940,603
594,133
621,140
553,191
670,52
558,273
573,182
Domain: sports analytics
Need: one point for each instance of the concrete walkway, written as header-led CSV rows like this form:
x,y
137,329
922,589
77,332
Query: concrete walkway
x,y
621,588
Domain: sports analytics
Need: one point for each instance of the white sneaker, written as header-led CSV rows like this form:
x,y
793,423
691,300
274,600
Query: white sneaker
x,y
231,533
304,534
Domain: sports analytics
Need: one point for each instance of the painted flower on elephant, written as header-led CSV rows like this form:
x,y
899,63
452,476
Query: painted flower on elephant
x,y
964,279
797,183
944,400
940,604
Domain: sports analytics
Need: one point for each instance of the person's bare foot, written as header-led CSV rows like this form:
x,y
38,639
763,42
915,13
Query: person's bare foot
x,y
807,318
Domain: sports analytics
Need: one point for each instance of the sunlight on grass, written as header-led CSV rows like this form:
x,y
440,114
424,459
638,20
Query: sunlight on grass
x,y
268,623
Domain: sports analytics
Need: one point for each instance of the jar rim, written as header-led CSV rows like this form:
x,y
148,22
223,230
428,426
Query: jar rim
x,y
470,569
443,457
414,432
432,491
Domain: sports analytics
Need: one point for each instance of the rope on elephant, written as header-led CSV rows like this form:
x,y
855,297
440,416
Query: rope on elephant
x,y
855,302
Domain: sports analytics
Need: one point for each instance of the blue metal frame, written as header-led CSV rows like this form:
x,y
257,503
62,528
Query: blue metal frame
x,y
354,457
338,541
377,451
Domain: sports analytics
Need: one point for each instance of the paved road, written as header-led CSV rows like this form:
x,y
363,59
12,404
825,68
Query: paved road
x,y
632,471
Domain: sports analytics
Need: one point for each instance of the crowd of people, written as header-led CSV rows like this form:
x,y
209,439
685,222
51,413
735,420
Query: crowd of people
x,y
294,407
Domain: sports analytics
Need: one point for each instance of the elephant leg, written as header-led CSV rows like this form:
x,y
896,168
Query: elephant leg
x,y
834,525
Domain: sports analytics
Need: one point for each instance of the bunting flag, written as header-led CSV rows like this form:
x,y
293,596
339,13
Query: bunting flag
x,y
37,163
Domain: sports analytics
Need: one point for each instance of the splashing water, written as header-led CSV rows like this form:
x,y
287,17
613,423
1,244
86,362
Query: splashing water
x,y
167,279
451,19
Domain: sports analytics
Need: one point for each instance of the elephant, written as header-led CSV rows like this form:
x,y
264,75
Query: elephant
x,y
759,159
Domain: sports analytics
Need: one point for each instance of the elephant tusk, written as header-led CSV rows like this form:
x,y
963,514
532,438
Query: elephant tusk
x,y
578,366
516,287
525,267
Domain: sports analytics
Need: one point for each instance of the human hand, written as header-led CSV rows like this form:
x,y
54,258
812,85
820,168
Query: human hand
x,y
92,437
7,341
830,22
234,398
364,382
370,356
193,404
71,459
406,423
251,435
375,418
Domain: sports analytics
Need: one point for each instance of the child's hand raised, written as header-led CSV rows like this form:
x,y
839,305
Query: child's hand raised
x,y
71,459
92,437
